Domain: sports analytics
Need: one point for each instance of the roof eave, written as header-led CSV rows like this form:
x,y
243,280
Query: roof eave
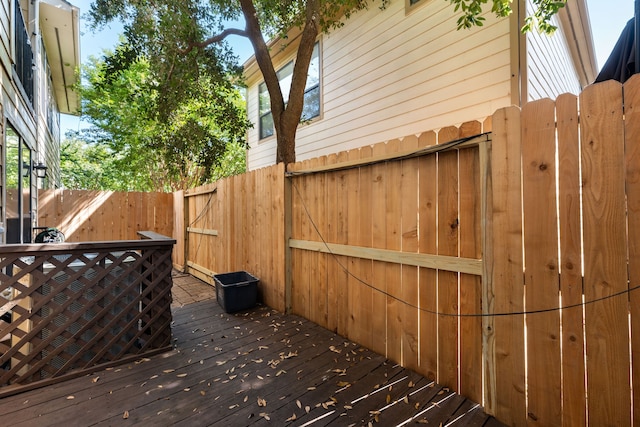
x,y
60,30
574,20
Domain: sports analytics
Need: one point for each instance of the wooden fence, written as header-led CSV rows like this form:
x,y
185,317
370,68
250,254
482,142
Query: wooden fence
x,y
376,250
238,224
91,216
503,264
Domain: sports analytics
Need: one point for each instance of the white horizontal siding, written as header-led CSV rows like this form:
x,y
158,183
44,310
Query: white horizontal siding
x,y
387,75
550,70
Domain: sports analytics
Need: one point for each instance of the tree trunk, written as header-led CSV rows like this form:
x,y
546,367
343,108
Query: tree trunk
x,y
286,144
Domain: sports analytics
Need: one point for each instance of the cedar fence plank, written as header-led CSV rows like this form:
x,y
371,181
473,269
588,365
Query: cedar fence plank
x,y
470,285
378,326
632,162
605,272
507,350
573,369
541,261
393,241
448,223
428,195
409,279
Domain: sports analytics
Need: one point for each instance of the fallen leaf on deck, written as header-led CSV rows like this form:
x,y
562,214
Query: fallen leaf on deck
x,y
311,388
245,399
70,397
348,407
299,404
423,421
181,375
265,416
95,380
234,406
388,399
186,389
280,372
307,409
168,371
273,363
343,384
202,393
262,402
292,418
125,415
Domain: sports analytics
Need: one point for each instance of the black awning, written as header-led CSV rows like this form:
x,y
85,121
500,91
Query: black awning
x,y
622,61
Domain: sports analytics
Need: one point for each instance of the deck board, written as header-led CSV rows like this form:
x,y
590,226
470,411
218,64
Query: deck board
x,y
259,367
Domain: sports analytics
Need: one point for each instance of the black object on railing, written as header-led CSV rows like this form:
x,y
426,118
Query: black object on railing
x,y
50,235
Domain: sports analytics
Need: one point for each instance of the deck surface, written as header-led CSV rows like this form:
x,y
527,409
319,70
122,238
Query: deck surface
x,y
255,368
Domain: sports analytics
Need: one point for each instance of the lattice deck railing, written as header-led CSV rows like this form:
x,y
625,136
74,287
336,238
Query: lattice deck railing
x,y
66,308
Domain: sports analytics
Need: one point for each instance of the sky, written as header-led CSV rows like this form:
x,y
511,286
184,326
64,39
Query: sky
x,y
608,18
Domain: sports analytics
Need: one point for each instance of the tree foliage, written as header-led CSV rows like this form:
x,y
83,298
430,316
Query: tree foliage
x,y
161,138
90,166
177,35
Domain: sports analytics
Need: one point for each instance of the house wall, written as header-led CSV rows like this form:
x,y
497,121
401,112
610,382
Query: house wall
x,y
550,70
15,109
388,73
48,122
29,121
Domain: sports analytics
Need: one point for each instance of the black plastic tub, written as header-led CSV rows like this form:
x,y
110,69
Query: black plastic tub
x,y
236,291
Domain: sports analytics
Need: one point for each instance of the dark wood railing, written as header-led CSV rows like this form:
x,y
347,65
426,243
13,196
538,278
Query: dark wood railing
x,y
70,307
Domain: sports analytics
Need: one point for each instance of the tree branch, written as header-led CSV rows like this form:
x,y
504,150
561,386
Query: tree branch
x,y
263,59
215,39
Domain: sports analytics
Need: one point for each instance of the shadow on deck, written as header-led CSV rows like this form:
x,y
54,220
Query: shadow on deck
x,y
259,367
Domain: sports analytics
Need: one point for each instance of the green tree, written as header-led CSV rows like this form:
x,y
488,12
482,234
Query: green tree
x,y
159,142
178,34
86,166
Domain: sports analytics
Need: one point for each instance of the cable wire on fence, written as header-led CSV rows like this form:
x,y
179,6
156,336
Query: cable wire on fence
x,y
438,313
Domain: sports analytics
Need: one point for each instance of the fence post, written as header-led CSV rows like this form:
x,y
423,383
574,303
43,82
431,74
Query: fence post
x,y
185,216
488,348
287,249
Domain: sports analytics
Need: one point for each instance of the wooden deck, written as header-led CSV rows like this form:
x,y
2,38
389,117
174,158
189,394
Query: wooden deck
x,y
254,368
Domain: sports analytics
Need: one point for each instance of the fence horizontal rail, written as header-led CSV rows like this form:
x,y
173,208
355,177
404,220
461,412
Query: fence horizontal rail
x,y
439,262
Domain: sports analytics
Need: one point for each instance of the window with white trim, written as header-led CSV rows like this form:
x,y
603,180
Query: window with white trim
x,y
311,106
